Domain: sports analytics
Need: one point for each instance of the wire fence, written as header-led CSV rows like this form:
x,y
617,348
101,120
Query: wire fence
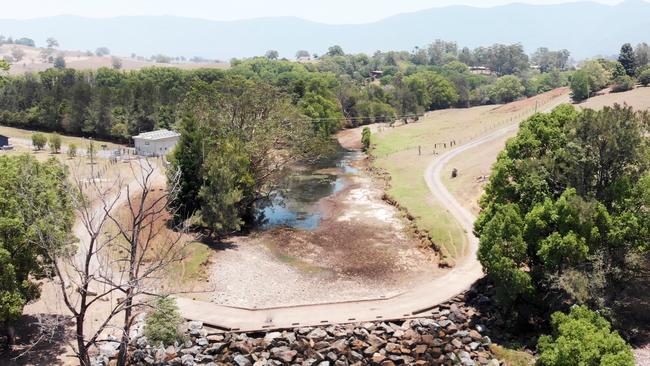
x,y
436,147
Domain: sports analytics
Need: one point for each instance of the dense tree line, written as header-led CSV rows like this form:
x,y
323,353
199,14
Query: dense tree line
x,y
337,89
565,215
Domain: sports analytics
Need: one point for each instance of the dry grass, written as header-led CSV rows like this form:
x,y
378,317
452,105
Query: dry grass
x,y
511,357
31,62
405,151
638,98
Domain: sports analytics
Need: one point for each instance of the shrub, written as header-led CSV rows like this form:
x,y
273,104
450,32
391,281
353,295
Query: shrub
x,y
55,143
583,337
623,83
162,326
72,150
39,140
644,78
365,138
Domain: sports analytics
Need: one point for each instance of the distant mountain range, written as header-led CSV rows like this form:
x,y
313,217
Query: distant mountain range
x,y
584,28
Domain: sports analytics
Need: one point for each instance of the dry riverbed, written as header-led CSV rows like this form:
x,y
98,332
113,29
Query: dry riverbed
x,y
362,249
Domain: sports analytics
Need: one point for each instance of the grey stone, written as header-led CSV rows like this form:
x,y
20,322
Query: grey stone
x,y
187,360
242,360
283,353
317,333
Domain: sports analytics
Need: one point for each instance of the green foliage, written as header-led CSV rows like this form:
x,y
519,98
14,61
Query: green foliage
x,y
228,180
35,223
39,140
163,325
335,51
565,201
580,89
55,143
114,104
59,62
365,138
644,78
583,337
72,150
506,89
628,59
623,83
598,75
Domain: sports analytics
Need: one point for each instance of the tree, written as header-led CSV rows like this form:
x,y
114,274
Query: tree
x,y
72,150
55,143
25,42
163,325
227,182
39,140
91,151
102,51
302,54
335,51
265,129
52,43
126,264
580,86
642,54
35,200
644,78
365,138
116,62
564,206
628,59
598,75
272,55
506,89
583,337
17,53
59,62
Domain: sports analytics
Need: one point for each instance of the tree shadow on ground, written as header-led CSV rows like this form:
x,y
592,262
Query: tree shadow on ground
x,y
219,244
40,339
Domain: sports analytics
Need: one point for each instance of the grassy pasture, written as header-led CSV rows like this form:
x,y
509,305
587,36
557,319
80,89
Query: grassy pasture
x,y
404,152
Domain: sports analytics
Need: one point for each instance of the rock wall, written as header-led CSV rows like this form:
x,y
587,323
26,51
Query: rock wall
x,y
448,337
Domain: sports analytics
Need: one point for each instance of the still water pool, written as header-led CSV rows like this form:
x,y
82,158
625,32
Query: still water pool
x,y
295,203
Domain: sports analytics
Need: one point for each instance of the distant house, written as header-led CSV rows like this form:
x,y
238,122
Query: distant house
x,y
155,143
304,59
480,70
4,140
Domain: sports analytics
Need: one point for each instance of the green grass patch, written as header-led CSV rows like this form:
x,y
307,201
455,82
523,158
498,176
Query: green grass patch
x,y
408,188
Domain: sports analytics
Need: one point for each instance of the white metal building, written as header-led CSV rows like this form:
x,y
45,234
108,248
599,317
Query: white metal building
x,y
155,143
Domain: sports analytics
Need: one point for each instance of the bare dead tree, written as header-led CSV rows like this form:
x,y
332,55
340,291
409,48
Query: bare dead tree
x,y
123,268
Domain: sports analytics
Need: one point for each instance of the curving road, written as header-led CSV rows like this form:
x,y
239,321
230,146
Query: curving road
x,y
418,301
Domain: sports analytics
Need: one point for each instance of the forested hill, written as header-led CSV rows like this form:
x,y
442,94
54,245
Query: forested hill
x,y
571,26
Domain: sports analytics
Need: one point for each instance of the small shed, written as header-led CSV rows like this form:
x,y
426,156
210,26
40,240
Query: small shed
x,y
4,140
155,143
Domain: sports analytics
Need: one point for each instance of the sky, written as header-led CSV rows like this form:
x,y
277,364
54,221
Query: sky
x,y
325,11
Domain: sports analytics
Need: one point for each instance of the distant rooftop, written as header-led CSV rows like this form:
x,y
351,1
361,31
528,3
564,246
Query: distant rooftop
x,y
157,135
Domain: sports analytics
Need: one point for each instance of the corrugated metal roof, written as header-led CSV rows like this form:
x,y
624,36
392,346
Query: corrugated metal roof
x,y
157,135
